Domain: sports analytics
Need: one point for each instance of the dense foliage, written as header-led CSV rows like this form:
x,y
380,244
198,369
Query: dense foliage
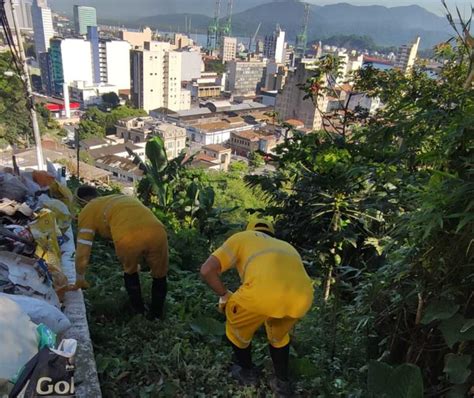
x,y
382,212
384,216
97,123
15,126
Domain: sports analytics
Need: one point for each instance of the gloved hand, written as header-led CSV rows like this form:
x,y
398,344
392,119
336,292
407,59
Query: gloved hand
x,y
223,301
81,282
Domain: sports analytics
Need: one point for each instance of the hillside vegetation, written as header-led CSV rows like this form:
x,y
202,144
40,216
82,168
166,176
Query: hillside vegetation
x,y
384,221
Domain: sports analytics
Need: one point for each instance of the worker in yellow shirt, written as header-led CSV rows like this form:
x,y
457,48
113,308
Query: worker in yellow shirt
x,y
275,291
136,233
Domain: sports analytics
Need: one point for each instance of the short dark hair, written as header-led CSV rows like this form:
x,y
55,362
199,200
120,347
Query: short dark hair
x,y
87,192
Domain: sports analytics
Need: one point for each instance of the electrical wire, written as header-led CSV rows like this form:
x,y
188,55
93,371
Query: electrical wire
x,y
16,61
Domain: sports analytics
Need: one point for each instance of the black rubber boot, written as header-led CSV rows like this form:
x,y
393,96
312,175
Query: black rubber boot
x,y
159,289
242,370
132,285
280,358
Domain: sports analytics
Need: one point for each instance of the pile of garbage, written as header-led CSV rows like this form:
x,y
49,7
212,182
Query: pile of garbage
x,y
36,212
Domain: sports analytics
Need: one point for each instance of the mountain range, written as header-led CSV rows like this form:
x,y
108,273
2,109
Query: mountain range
x,y
387,26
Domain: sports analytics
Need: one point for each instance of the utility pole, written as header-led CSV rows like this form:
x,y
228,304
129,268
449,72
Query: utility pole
x,y
29,91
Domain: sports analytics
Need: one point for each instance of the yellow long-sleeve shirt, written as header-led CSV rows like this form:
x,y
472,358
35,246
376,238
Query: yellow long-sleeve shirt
x,y
111,217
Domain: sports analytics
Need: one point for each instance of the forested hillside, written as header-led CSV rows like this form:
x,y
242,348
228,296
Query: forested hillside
x,y
383,218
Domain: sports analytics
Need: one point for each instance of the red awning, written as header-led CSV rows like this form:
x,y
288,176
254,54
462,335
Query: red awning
x,y
60,107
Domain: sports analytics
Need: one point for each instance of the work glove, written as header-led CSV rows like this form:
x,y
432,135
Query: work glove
x,y
81,282
223,301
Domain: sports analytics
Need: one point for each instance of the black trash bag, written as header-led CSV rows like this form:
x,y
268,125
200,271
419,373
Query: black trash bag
x,y
50,373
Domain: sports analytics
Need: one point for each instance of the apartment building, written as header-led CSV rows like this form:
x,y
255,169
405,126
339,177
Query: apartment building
x,y
244,77
290,101
406,56
228,50
156,78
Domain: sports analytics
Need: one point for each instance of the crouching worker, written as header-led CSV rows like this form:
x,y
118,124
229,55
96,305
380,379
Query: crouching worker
x,y
136,234
275,291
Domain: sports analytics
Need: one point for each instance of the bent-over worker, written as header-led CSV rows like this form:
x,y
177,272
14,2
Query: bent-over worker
x,y
136,233
275,291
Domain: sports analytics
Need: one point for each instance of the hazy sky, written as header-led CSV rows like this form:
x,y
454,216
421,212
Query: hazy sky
x,y
135,8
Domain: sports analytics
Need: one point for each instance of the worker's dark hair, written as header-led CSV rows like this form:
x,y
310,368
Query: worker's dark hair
x,y
263,228
87,193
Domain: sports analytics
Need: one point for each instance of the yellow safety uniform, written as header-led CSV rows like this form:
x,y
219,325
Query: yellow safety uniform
x,y
134,229
275,290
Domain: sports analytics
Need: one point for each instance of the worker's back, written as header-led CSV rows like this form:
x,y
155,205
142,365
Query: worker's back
x,y
115,216
274,281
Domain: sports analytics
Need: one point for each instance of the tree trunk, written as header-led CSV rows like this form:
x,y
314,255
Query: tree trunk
x,y
328,283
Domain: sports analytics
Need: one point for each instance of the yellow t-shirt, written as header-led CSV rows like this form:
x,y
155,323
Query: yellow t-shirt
x,y
274,281
111,217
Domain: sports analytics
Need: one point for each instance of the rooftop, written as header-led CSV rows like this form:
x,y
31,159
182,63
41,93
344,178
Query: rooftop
x,y
247,135
120,163
215,147
112,150
206,158
212,127
294,122
94,142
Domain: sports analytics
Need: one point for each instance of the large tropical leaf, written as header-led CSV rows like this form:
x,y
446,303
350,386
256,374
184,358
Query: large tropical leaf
x,y
156,154
457,368
206,326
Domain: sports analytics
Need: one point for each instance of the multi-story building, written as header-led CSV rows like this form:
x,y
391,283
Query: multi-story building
x,y
191,63
274,46
23,14
244,77
406,56
139,130
219,153
70,60
84,17
110,59
292,104
243,143
228,48
156,78
275,76
42,25
137,39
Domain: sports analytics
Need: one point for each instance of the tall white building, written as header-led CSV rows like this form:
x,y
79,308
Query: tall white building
x,y
23,13
71,61
115,63
191,63
228,48
42,25
156,78
349,64
84,17
274,46
406,56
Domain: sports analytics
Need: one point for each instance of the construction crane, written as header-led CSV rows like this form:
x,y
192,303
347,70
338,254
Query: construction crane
x,y
302,37
226,29
213,28
254,38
